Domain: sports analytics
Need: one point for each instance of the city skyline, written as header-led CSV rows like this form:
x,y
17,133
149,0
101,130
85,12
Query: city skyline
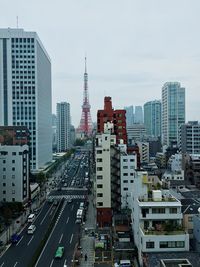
x,y
132,49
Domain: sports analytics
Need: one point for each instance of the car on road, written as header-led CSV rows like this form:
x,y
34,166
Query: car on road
x,y
31,229
15,238
59,253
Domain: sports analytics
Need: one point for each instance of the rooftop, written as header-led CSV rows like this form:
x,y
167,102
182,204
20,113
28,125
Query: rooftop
x,y
154,259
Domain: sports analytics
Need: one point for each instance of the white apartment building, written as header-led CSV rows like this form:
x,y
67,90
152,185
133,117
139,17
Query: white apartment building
x,y
25,90
63,126
103,175
128,163
144,151
156,219
14,173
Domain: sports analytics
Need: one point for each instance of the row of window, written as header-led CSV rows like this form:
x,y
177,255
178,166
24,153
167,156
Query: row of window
x,y
166,244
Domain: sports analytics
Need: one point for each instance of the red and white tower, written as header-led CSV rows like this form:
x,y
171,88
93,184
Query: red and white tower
x,y
85,126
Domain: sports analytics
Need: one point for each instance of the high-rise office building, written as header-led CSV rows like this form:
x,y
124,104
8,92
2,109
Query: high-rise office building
x,y
129,116
63,126
152,118
25,90
189,137
173,111
138,118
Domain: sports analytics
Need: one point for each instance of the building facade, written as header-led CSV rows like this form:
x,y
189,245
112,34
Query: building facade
x,y
189,138
14,169
173,111
117,117
25,90
128,163
136,132
138,117
103,145
152,118
157,219
63,126
129,115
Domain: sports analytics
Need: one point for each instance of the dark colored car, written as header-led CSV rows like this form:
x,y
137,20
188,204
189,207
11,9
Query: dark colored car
x,y
15,238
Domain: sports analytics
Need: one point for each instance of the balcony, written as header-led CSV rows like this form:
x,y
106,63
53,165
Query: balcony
x,y
164,199
161,216
156,232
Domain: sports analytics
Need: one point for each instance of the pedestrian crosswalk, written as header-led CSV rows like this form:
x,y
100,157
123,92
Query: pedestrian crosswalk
x,y
67,197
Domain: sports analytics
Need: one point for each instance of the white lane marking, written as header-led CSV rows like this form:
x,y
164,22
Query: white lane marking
x,y
30,240
45,217
71,238
15,264
60,238
65,263
51,263
67,220
20,240
50,236
2,264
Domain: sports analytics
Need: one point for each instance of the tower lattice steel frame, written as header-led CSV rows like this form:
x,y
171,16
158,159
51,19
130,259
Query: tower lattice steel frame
x,y
85,125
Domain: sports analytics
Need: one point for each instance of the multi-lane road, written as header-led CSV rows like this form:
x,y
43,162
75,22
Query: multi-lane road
x,y
70,183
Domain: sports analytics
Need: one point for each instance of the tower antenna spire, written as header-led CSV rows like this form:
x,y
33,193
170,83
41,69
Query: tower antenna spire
x,y
85,64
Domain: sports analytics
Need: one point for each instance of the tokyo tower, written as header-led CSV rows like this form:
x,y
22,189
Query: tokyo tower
x,y
85,125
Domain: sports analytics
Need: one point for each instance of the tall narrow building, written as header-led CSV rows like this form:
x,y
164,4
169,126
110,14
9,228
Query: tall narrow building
x,y
138,118
173,111
129,116
63,126
152,118
117,117
25,90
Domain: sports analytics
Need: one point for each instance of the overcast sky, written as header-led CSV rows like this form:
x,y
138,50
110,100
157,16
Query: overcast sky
x,y
132,47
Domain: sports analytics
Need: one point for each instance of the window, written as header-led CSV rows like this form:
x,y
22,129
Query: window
x,y
158,210
99,194
4,184
125,174
99,151
125,167
99,204
125,181
173,210
99,160
99,186
13,168
125,189
14,153
149,244
13,161
99,177
125,160
172,244
190,219
99,168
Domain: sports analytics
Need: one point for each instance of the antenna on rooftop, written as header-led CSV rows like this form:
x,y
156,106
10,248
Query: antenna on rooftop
x,y
17,21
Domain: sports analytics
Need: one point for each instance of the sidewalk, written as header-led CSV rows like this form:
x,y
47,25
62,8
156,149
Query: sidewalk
x,y
87,242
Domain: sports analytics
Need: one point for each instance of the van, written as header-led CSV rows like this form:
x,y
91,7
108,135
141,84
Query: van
x,y
31,229
125,263
31,217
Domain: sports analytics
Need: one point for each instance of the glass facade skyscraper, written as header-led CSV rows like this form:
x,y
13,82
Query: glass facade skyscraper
x,y
152,118
173,111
